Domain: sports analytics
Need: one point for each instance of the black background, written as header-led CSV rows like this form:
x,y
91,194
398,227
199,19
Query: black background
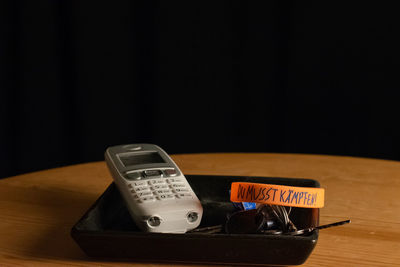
x,y
196,76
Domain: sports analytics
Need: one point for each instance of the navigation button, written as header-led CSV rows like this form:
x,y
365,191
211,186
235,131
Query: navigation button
x,y
152,173
133,176
170,172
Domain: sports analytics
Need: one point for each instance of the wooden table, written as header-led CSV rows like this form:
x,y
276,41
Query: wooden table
x,y
37,210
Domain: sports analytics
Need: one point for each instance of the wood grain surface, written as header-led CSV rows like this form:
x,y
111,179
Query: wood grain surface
x,y
37,210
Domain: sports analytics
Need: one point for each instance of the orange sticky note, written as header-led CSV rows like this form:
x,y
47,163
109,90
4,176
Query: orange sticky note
x,y
293,196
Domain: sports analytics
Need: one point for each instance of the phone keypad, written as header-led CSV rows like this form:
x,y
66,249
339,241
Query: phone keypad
x,y
178,186
159,190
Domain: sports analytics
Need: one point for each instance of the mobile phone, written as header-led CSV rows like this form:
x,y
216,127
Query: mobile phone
x,y
155,191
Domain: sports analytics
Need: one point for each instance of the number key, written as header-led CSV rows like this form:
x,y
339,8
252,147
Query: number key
x,y
166,196
184,195
141,188
181,190
157,182
156,187
147,199
178,185
139,183
174,180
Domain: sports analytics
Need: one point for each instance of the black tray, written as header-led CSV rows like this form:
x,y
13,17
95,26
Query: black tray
x,y
107,230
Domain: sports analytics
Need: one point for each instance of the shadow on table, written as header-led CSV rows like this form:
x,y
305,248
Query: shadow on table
x,y
60,209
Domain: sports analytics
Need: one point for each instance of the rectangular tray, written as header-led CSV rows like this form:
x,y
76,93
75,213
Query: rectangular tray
x,y
107,230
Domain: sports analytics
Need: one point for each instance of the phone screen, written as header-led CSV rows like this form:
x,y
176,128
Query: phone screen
x,y
141,158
